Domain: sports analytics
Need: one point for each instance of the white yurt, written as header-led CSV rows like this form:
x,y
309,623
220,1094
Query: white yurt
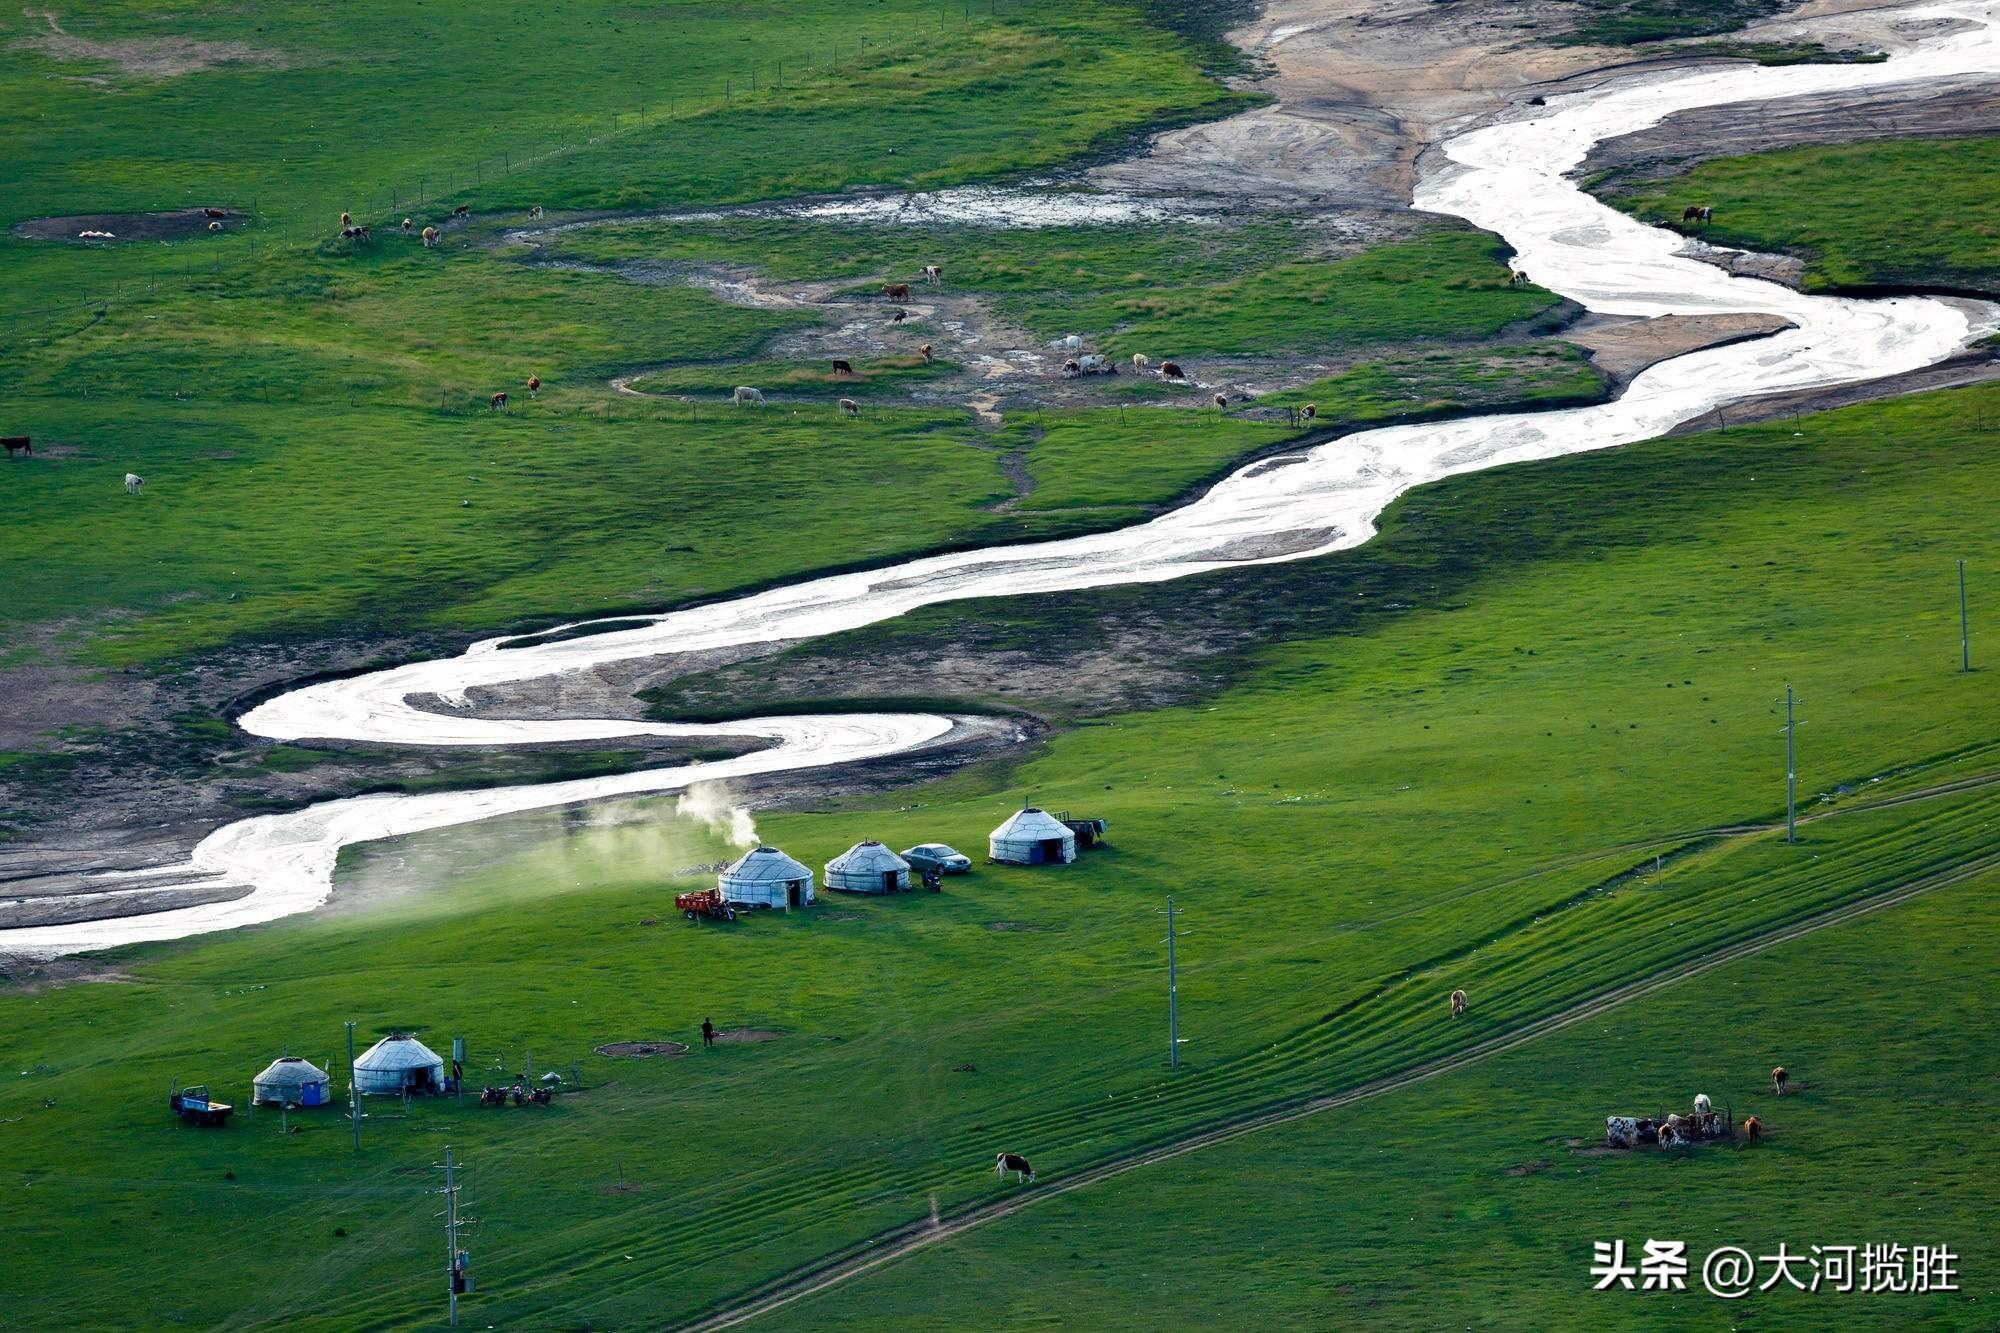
x,y
868,867
1032,837
766,877
397,1064
289,1080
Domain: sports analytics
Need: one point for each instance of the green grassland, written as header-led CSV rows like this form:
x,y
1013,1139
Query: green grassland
x,y
1628,22
1460,792
1314,1224
1885,213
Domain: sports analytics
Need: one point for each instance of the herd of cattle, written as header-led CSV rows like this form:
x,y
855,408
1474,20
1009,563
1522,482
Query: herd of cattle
x,y
1674,1130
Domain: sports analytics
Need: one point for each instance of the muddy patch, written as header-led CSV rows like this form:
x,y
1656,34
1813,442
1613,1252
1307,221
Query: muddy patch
x,y
639,1050
115,228
839,916
1527,1168
149,58
1024,927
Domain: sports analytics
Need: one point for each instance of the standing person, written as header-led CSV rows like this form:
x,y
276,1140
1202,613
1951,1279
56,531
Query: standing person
x,y
707,1033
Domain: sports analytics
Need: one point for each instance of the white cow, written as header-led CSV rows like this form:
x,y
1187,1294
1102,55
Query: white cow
x,y
134,483
1702,1105
1072,343
746,394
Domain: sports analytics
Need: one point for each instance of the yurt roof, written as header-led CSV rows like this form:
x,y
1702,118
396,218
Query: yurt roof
x,y
292,1069
398,1050
867,858
1033,825
765,863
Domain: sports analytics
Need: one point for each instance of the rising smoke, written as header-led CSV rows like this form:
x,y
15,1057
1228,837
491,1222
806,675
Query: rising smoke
x,y
709,802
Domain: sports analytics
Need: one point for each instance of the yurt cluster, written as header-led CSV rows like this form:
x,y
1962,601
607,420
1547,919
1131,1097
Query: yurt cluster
x,y
397,1066
767,877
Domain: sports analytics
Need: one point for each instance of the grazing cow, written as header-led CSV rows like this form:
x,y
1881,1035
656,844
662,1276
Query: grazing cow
x,y
933,272
461,211
134,483
215,226
745,394
841,367
534,385
430,237
1517,277
1697,213
899,316
1072,368
1170,370
1753,1129
1673,1134
1702,1105
354,233
1457,996
1072,343
849,408
1221,402
409,224
535,212
1779,1078
1309,411
1007,1161
925,350
214,213
497,401
1141,362
896,291
1620,1131
18,444
346,219
1095,364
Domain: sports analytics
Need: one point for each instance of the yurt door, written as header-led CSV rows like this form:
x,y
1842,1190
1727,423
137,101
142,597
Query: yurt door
x,y
1052,849
792,893
888,881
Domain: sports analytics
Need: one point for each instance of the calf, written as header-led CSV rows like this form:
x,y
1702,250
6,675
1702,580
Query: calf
x,y
346,219
1007,1161
841,367
461,211
215,226
497,401
409,224
18,444
899,317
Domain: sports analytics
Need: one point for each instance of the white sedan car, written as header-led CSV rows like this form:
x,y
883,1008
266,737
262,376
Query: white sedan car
x,y
937,854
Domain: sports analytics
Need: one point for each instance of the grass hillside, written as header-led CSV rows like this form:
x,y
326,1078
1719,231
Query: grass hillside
x,y
1482,1171
1469,790
1885,213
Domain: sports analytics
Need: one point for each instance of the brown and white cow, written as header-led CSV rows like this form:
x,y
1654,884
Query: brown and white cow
x,y
925,352
430,237
461,211
933,272
534,385
1007,1161
1458,1001
1779,1078
1170,370
497,401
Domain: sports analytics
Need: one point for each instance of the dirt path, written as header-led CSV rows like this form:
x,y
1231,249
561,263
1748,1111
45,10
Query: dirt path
x,y
857,1261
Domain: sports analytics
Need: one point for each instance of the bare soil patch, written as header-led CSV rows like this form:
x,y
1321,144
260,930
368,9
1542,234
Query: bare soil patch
x,y
1028,927
745,1036
1622,348
177,224
148,57
1527,1168
642,1049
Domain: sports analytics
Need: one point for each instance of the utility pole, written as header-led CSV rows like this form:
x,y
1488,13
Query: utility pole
x,y
451,1259
353,1089
1173,997
1964,625
1791,776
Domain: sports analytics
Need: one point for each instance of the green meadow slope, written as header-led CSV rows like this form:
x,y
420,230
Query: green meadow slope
x,y
1468,791
1493,1174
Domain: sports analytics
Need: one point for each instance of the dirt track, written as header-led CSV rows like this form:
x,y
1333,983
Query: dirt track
x,y
880,1251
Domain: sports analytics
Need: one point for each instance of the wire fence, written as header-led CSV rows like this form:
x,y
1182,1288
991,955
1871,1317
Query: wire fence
x,y
383,205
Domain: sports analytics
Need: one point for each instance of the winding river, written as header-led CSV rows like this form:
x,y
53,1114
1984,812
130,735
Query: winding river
x,y
1507,177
